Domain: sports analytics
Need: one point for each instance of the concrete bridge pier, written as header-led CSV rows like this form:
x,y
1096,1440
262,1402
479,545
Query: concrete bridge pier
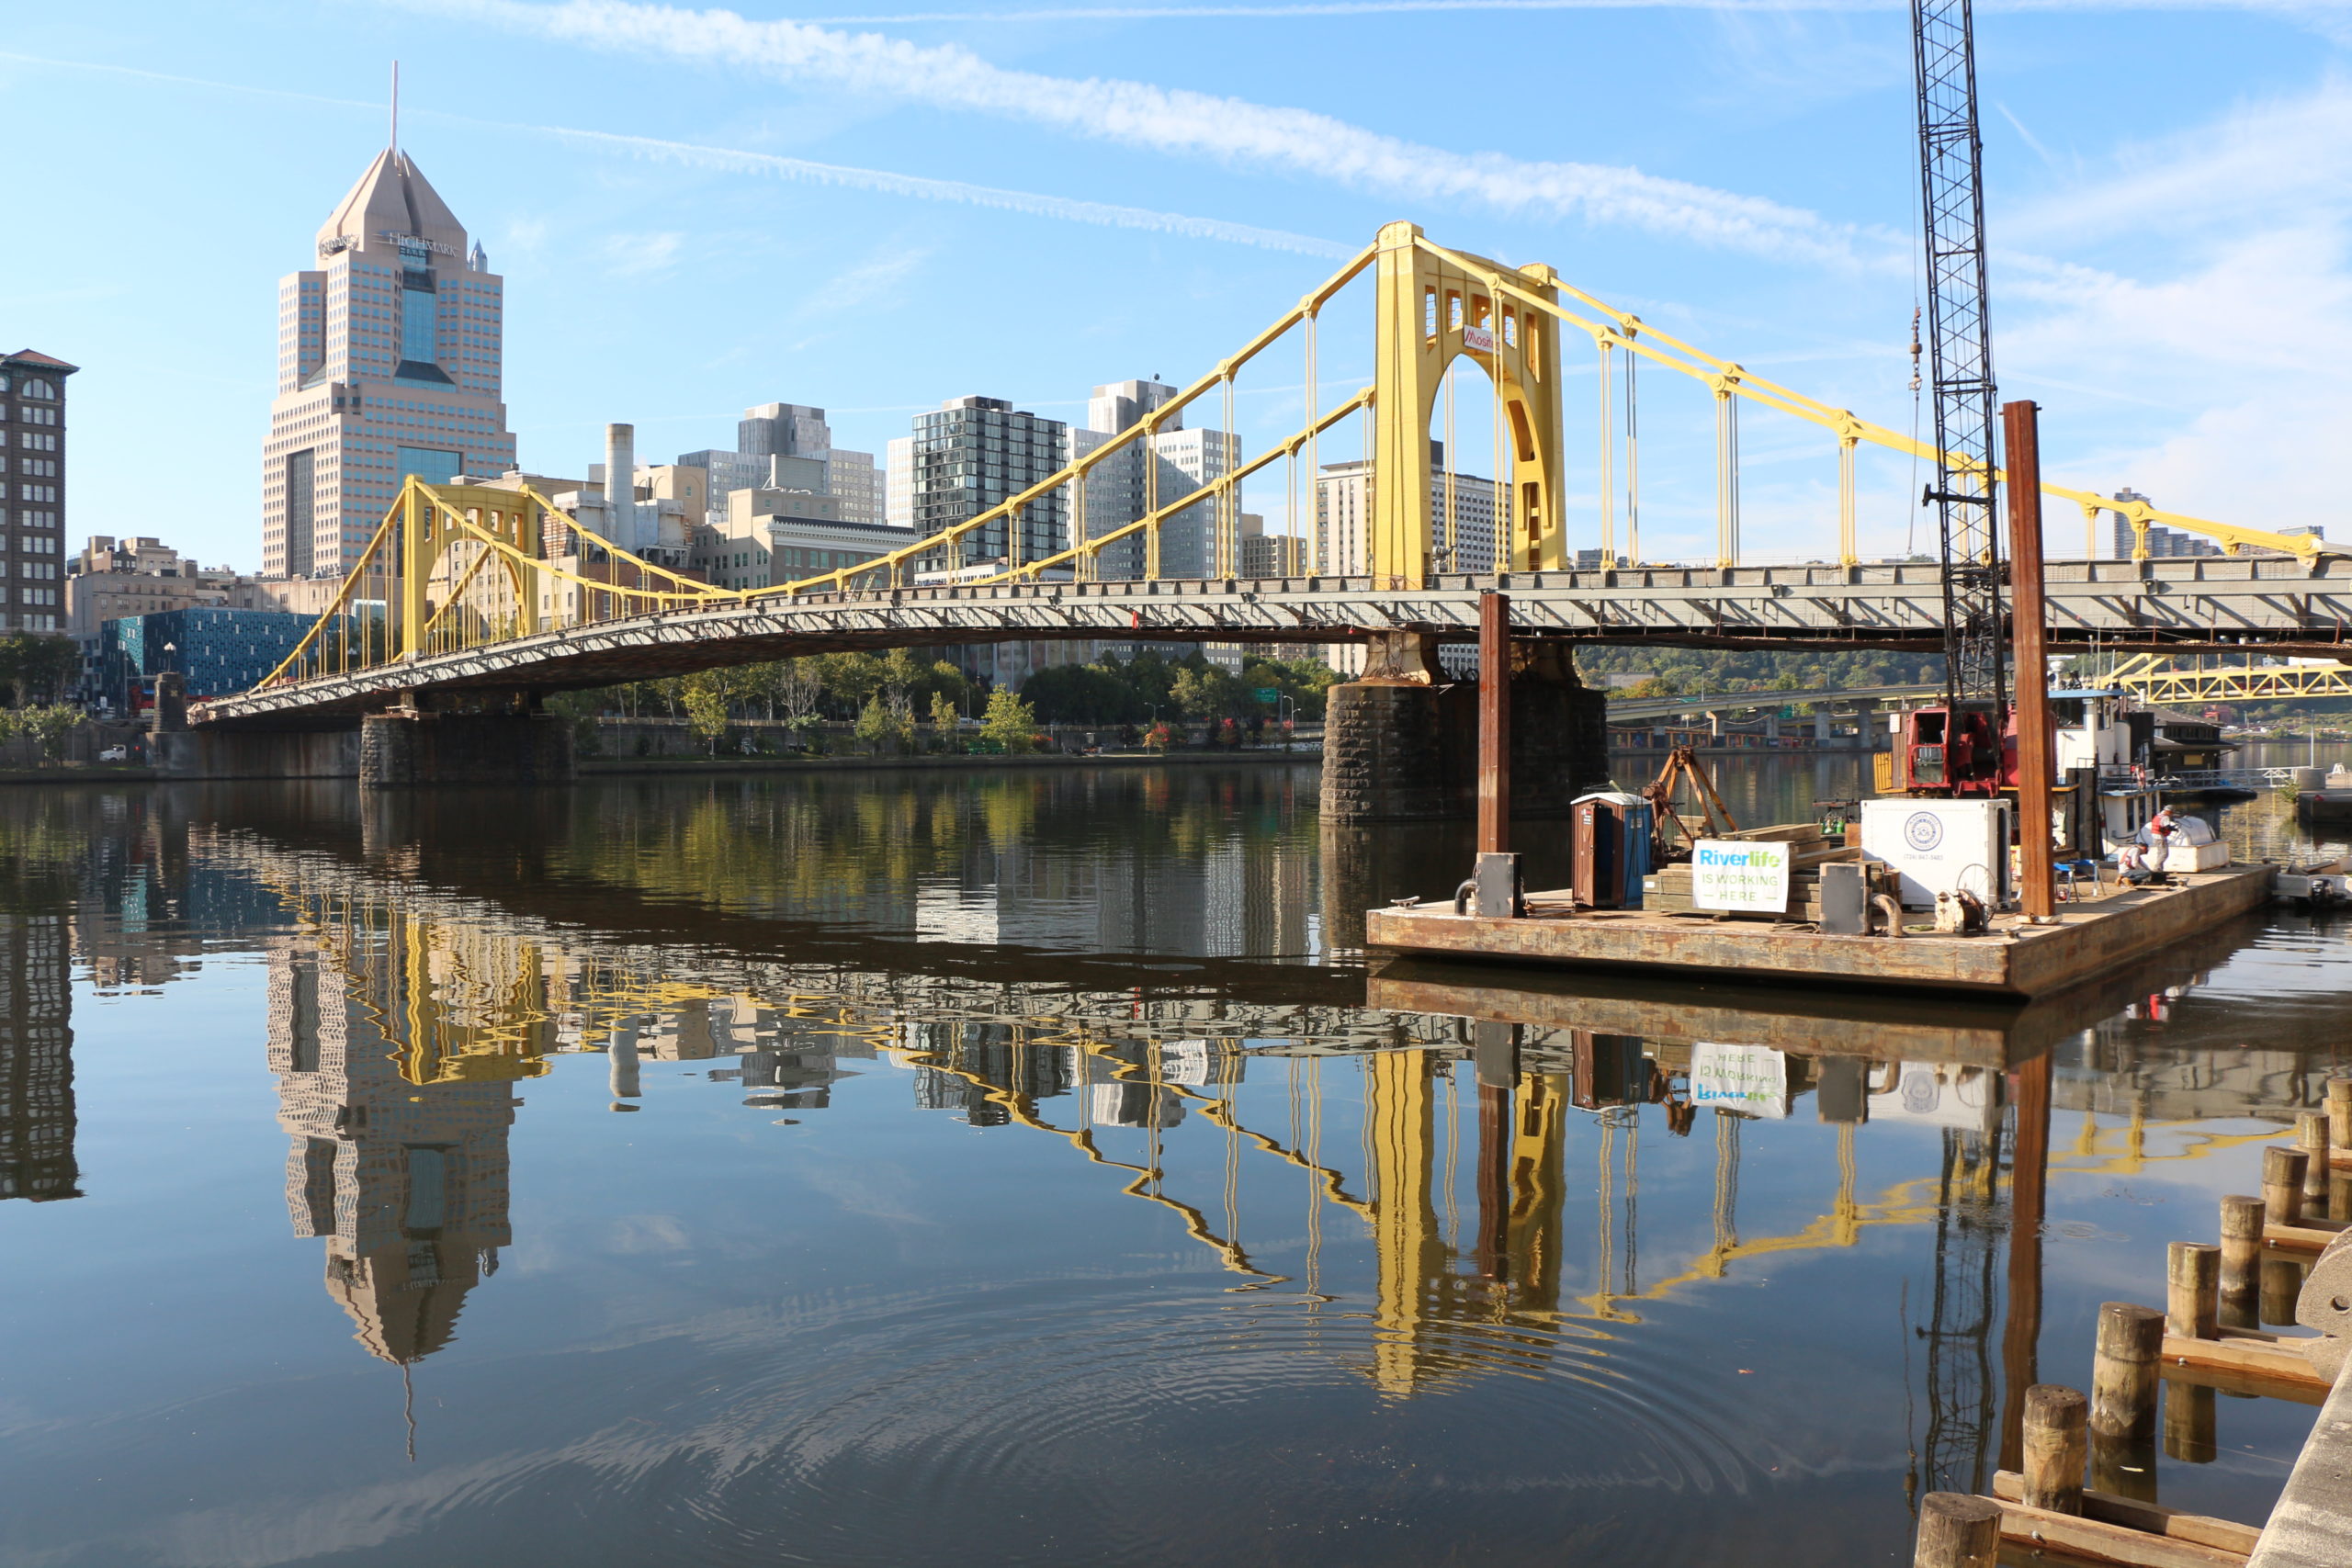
x,y
503,739
1401,744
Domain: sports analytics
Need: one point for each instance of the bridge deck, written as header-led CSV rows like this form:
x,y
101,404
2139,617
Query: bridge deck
x,y
2015,960
2212,601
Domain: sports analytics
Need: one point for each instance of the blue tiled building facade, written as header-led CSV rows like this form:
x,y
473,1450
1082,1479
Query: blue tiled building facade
x,y
219,652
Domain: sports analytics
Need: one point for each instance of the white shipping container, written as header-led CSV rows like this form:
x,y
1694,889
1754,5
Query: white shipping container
x,y
1941,846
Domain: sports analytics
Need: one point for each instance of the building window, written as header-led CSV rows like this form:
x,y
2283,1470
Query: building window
x,y
33,388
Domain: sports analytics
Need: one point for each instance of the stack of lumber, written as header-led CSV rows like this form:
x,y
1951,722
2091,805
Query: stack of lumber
x,y
1668,891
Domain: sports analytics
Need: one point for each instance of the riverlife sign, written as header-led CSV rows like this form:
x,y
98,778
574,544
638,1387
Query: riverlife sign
x,y
1736,874
1751,1079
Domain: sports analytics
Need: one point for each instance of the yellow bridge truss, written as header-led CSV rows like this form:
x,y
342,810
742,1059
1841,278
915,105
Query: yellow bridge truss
x,y
2163,678
458,566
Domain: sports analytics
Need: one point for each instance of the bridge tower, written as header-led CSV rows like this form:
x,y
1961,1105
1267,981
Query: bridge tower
x,y
1430,310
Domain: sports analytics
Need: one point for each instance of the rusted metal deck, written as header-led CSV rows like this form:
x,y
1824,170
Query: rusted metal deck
x,y
2015,959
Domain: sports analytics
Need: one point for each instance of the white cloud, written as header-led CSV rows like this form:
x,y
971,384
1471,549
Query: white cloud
x,y
1233,130
2323,14
877,277
643,256
1105,214
528,236
2243,229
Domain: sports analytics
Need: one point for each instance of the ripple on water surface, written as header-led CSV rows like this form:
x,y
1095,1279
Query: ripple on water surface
x,y
1027,1424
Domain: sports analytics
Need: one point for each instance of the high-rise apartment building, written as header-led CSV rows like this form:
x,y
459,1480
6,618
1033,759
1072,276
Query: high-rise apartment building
x,y
1461,518
973,453
856,483
32,491
1167,466
898,482
1463,508
389,364
790,446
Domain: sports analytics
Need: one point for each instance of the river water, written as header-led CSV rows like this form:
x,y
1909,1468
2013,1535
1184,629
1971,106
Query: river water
x,y
1024,1168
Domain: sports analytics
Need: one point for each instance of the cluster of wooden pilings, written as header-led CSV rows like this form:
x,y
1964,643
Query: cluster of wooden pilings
x,y
2087,1491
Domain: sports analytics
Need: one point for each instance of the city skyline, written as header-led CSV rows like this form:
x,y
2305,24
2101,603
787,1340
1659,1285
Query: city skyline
x,y
878,244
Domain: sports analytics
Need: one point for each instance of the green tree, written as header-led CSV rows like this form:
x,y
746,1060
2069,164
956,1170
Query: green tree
x,y
942,716
881,726
48,724
38,667
1008,723
1207,692
851,679
708,696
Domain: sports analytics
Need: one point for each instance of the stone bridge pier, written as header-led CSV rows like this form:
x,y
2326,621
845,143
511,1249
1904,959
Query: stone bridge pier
x,y
1400,742
470,738
493,739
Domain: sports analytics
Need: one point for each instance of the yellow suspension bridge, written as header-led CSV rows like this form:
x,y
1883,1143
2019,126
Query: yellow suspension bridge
x,y
484,594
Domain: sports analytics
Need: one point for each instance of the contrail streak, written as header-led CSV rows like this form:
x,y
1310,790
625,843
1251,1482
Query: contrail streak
x,y
737,160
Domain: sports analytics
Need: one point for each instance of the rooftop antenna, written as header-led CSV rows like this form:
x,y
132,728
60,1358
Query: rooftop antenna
x,y
396,110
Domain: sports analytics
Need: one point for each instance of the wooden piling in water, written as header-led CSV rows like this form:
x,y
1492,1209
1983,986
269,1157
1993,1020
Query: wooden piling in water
x,y
1957,1530
2242,1221
1493,723
2282,1284
2282,1184
2123,1369
2339,1112
2125,1376
2057,1447
2192,1424
2312,1139
2192,1289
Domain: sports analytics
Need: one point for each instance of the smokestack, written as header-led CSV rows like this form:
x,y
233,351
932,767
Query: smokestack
x,y
620,484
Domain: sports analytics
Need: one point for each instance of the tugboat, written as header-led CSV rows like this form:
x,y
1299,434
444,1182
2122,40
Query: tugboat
x,y
2102,752
2188,756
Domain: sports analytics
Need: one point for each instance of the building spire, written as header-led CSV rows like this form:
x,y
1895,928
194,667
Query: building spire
x,y
395,145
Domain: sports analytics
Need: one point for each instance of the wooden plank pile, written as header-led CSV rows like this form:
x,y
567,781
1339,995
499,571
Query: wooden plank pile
x,y
1667,891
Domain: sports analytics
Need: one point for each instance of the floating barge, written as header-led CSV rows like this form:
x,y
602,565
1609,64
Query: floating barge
x,y
2014,959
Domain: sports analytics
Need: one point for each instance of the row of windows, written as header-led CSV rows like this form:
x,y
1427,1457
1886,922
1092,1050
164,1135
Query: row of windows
x,y
34,441
36,595
41,468
39,571
36,519
27,414
34,623
36,493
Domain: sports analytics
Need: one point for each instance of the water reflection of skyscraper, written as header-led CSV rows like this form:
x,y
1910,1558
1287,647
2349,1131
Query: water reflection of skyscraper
x,y
36,1060
407,1185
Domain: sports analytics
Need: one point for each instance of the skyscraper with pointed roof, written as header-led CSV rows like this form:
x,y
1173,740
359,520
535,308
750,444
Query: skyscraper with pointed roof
x,y
389,364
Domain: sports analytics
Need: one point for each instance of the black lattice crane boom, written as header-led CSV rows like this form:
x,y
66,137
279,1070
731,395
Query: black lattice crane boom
x,y
1961,377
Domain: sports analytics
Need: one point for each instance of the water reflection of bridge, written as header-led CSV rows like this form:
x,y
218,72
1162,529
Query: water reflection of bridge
x,y
459,994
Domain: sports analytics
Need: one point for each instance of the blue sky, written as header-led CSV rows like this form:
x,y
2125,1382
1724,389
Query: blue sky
x,y
2168,189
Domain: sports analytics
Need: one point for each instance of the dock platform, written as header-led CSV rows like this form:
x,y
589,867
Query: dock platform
x,y
2014,959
